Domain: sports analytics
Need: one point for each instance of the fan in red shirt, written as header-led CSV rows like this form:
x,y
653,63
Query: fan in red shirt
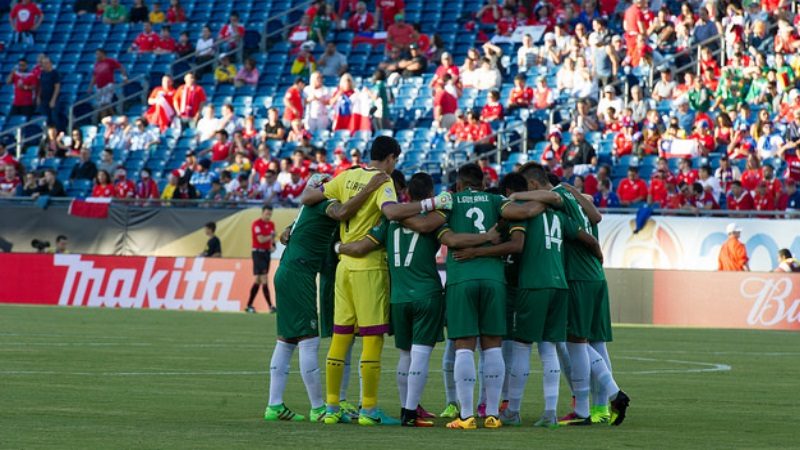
x,y
301,164
175,13
188,99
632,190
774,186
490,176
166,43
102,185
25,17
146,188
232,30
361,20
623,142
445,106
633,22
341,163
459,131
753,175
555,146
25,85
446,68
321,164
685,172
739,199
705,140
147,41
478,130
657,191
489,14
123,187
293,102
493,109
222,150
790,155
701,199
674,199
507,23
388,9
521,95
764,200
293,190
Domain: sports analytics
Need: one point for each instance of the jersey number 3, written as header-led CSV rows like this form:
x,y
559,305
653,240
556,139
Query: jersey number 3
x,y
477,217
411,246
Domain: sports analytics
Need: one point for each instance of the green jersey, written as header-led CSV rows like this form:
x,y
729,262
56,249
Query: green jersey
x,y
581,264
311,237
542,258
412,261
474,212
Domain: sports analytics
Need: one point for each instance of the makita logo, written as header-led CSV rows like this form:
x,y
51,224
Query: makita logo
x,y
173,288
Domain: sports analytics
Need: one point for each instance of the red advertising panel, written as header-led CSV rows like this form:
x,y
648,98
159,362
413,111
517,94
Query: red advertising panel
x,y
727,299
194,284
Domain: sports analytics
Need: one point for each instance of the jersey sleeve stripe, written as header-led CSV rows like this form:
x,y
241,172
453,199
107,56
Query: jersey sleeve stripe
x,y
372,238
522,229
442,232
387,203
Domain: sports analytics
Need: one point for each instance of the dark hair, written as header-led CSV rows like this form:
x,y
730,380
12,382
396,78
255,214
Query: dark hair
x,y
513,182
108,150
266,206
379,75
145,169
62,237
633,169
606,183
697,188
783,253
383,147
534,171
706,168
420,186
471,175
553,179
519,77
211,226
399,180
495,94
223,132
225,173
736,183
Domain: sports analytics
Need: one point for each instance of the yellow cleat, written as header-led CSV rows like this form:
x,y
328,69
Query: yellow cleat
x,y
463,424
492,422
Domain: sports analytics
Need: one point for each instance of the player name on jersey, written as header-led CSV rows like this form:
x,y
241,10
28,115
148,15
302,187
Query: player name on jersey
x,y
474,198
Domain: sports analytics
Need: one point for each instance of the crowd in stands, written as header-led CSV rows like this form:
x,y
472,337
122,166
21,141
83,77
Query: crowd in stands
x,y
715,129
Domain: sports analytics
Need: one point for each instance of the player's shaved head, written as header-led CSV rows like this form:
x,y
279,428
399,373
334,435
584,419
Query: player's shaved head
x,y
470,176
420,186
383,147
513,182
535,173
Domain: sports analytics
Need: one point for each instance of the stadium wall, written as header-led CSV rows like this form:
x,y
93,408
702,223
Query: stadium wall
x,y
659,297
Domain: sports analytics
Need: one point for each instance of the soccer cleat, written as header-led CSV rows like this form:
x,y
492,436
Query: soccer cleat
x,y
316,414
503,405
600,415
272,310
573,419
463,424
511,418
375,417
450,412
482,410
410,418
619,406
350,410
492,422
333,417
547,422
250,309
422,413
281,412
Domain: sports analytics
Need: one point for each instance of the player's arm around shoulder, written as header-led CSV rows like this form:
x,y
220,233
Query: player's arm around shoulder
x,y
426,223
465,240
348,209
514,244
548,198
368,243
586,203
574,232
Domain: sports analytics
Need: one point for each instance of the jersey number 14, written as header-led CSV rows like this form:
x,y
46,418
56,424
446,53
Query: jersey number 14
x,y
552,232
398,260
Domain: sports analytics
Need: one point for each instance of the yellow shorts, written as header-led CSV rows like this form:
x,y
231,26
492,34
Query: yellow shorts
x,y
361,300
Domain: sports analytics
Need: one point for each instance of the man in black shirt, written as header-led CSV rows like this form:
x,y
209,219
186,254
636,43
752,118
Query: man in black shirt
x,y
579,151
85,169
213,247
49,185
49,90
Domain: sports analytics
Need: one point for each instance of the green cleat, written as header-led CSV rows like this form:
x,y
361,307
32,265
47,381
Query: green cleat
x,y
350,410
374,417
451,412
551,423
274,413
316,414
332,417
600,415
510,418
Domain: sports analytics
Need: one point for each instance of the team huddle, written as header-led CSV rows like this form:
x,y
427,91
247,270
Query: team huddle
x,y
523,266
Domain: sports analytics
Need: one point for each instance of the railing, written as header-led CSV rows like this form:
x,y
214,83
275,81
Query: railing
x,y
119,90
503,141
221,46
22,140
286,26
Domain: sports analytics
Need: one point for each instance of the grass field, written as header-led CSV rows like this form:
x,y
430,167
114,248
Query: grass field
x,y
98,378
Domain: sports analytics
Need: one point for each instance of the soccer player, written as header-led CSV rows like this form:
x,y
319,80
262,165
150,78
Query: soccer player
x,y
296,293
417,300
263,231
362,284
586,281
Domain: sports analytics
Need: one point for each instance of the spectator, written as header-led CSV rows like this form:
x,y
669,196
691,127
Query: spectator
x,y
115,13
175,13
222,150
200,180
520,96
49,185
205,48
233,31
764,200
102,185
49,91
270,188
52,144
355,158
293,191
361,20
786,263
399,34
792,198
490,177
172,184
161,111
82,7
459,131
166,43
213,246
555,146
183,47
185,189
273,128
147,41
249,131
739,199
700,199
388,10
580,152
107,162
146,188
445,105
10,183
414,65
103,76
479,133
710,183
188,100
293,102
624,140
157,16
139,12
543,96
340,162
664,88
605,197
302,32
733,254
381,98
208,124
242,152
321,164
770,142
317,97
297,133
25,19
487,76
322,23
657,191
225,72
632,191
85,169
340,100
247,75
332,63
25,86
774,186
142,137
493,109
446,68
753,174
123,187
304,63
582,118
727,173
609,100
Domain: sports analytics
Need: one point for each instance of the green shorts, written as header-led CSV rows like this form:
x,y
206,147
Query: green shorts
x,y
541,315
601,321
511,299
327,282
296,299
417,323
584,298
476,308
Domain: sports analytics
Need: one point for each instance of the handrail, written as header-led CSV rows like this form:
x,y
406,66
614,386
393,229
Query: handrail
x,y
286,26
501,144
189,58
18,136
121,99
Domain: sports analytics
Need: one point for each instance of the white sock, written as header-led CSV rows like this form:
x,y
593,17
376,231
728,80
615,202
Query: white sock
x,y
279,371
600,347
508,355
417,374
402,375
579,357
566,365
601,375
599,395
448,361
309,369
481,386
494,370
346,374
464,374
520,370
551,374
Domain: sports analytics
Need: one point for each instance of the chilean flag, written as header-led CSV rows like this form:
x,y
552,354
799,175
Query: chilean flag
x,y
161,113
360,119
90,208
